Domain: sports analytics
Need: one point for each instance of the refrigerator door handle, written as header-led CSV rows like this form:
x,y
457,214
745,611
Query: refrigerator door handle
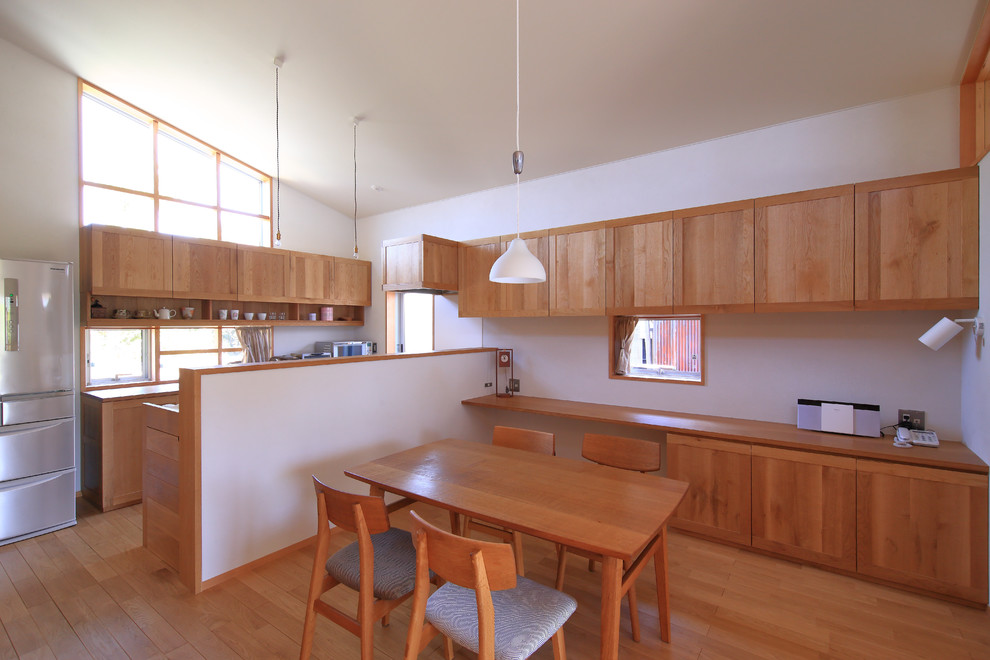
x,y
26,483
32,427
11,320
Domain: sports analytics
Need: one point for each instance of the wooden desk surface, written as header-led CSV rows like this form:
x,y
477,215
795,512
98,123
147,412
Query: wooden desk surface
x,y
950,455
605,510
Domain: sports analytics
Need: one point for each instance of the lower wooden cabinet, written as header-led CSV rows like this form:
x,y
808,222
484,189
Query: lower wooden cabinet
x,y
923,527
804,505
161,511
717,503
112,432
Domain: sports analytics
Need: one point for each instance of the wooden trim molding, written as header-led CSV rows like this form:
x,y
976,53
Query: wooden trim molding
x,y
973,107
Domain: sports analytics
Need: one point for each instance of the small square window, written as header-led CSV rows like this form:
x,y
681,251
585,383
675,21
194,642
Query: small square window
x,y
658,348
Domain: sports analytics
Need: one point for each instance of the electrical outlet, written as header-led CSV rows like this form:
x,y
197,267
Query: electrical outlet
x,y
488,384
912,419
513,384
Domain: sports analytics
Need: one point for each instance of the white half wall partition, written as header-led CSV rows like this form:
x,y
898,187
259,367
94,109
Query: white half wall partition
x,y
265,431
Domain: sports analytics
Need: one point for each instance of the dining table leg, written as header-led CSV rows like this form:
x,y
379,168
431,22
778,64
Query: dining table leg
x,y
663,590
611,600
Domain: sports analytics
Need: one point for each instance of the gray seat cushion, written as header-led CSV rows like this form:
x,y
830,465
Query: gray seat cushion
x,y
525,617
395,564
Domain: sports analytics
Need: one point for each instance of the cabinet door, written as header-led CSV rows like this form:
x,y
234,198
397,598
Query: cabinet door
x,y
804,505
312,276
717,503
264,274
804,251
713,259
126,262
923,527
204,269
477,295
577,271
639,265
351,282
526,299
917,241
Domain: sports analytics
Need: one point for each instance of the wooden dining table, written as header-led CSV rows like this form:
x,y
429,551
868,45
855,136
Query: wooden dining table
x,y
618,514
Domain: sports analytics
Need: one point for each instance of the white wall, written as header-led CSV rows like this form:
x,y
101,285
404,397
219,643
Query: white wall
x,y
758,365
264,433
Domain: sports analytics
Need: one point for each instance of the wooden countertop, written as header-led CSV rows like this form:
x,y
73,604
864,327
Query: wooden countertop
x,y
949,455
136,392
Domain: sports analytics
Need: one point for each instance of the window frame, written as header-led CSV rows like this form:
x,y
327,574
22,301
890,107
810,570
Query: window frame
x,y
613,349
158,126
394,328
155,353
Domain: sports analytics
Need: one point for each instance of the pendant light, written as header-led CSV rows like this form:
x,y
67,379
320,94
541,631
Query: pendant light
x,y
518,265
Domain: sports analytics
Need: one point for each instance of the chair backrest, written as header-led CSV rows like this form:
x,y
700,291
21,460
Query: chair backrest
x,y
541,442
349,511
625,453
464,561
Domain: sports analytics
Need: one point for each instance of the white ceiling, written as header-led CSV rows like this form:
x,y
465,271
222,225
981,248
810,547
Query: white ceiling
x,y
434,79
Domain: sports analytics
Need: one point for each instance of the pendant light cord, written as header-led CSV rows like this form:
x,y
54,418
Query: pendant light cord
x,y
278,170
517,170
355,190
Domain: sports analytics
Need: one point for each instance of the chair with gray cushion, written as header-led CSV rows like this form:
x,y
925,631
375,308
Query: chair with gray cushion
x,y
483,605
380,565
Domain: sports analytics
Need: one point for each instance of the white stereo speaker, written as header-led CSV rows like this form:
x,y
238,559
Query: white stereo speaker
x,y
839,417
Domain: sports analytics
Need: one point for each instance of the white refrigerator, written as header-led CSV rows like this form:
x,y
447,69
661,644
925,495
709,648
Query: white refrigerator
x,y
37,399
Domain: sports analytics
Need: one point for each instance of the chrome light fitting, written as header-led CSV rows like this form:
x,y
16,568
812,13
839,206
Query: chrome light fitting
x,y
518,265
940,333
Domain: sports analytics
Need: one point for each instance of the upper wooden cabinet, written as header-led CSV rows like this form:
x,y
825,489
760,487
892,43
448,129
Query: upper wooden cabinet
x,y
203,268
477,295
125,262
526,299
312,277
713,258
923,527
917,241
577,270
351,282
264,274
804,251
804,505
419,262
639,264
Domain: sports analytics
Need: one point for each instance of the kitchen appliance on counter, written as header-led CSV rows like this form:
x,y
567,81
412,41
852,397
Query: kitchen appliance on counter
x,y
346,348
37,400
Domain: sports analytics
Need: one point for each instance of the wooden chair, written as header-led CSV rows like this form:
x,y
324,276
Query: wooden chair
x,y
541,442
380,565
627,454
483,606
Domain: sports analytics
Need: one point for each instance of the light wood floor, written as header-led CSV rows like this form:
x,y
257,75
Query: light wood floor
x,y
93,591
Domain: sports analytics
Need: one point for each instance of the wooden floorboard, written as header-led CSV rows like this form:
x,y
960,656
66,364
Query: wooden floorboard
x,y
92,591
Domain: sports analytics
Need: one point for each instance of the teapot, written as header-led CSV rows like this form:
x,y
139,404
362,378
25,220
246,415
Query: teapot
x,y
164,313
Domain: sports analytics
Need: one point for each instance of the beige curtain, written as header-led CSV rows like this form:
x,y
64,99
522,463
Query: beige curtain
x,y
256,342
624,328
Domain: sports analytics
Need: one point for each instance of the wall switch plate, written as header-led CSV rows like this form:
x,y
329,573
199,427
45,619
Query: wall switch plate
x,y
912,419
374,347
513,384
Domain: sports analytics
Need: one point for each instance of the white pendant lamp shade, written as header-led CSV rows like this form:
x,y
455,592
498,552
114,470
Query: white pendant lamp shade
x,y
517,266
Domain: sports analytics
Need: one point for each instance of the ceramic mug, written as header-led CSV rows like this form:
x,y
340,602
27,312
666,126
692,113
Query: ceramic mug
x,y
222,314
234,314
248,316
262,316
187,312
164,314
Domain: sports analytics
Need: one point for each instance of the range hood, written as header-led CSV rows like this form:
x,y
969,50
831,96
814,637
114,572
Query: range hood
x,y
420,264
